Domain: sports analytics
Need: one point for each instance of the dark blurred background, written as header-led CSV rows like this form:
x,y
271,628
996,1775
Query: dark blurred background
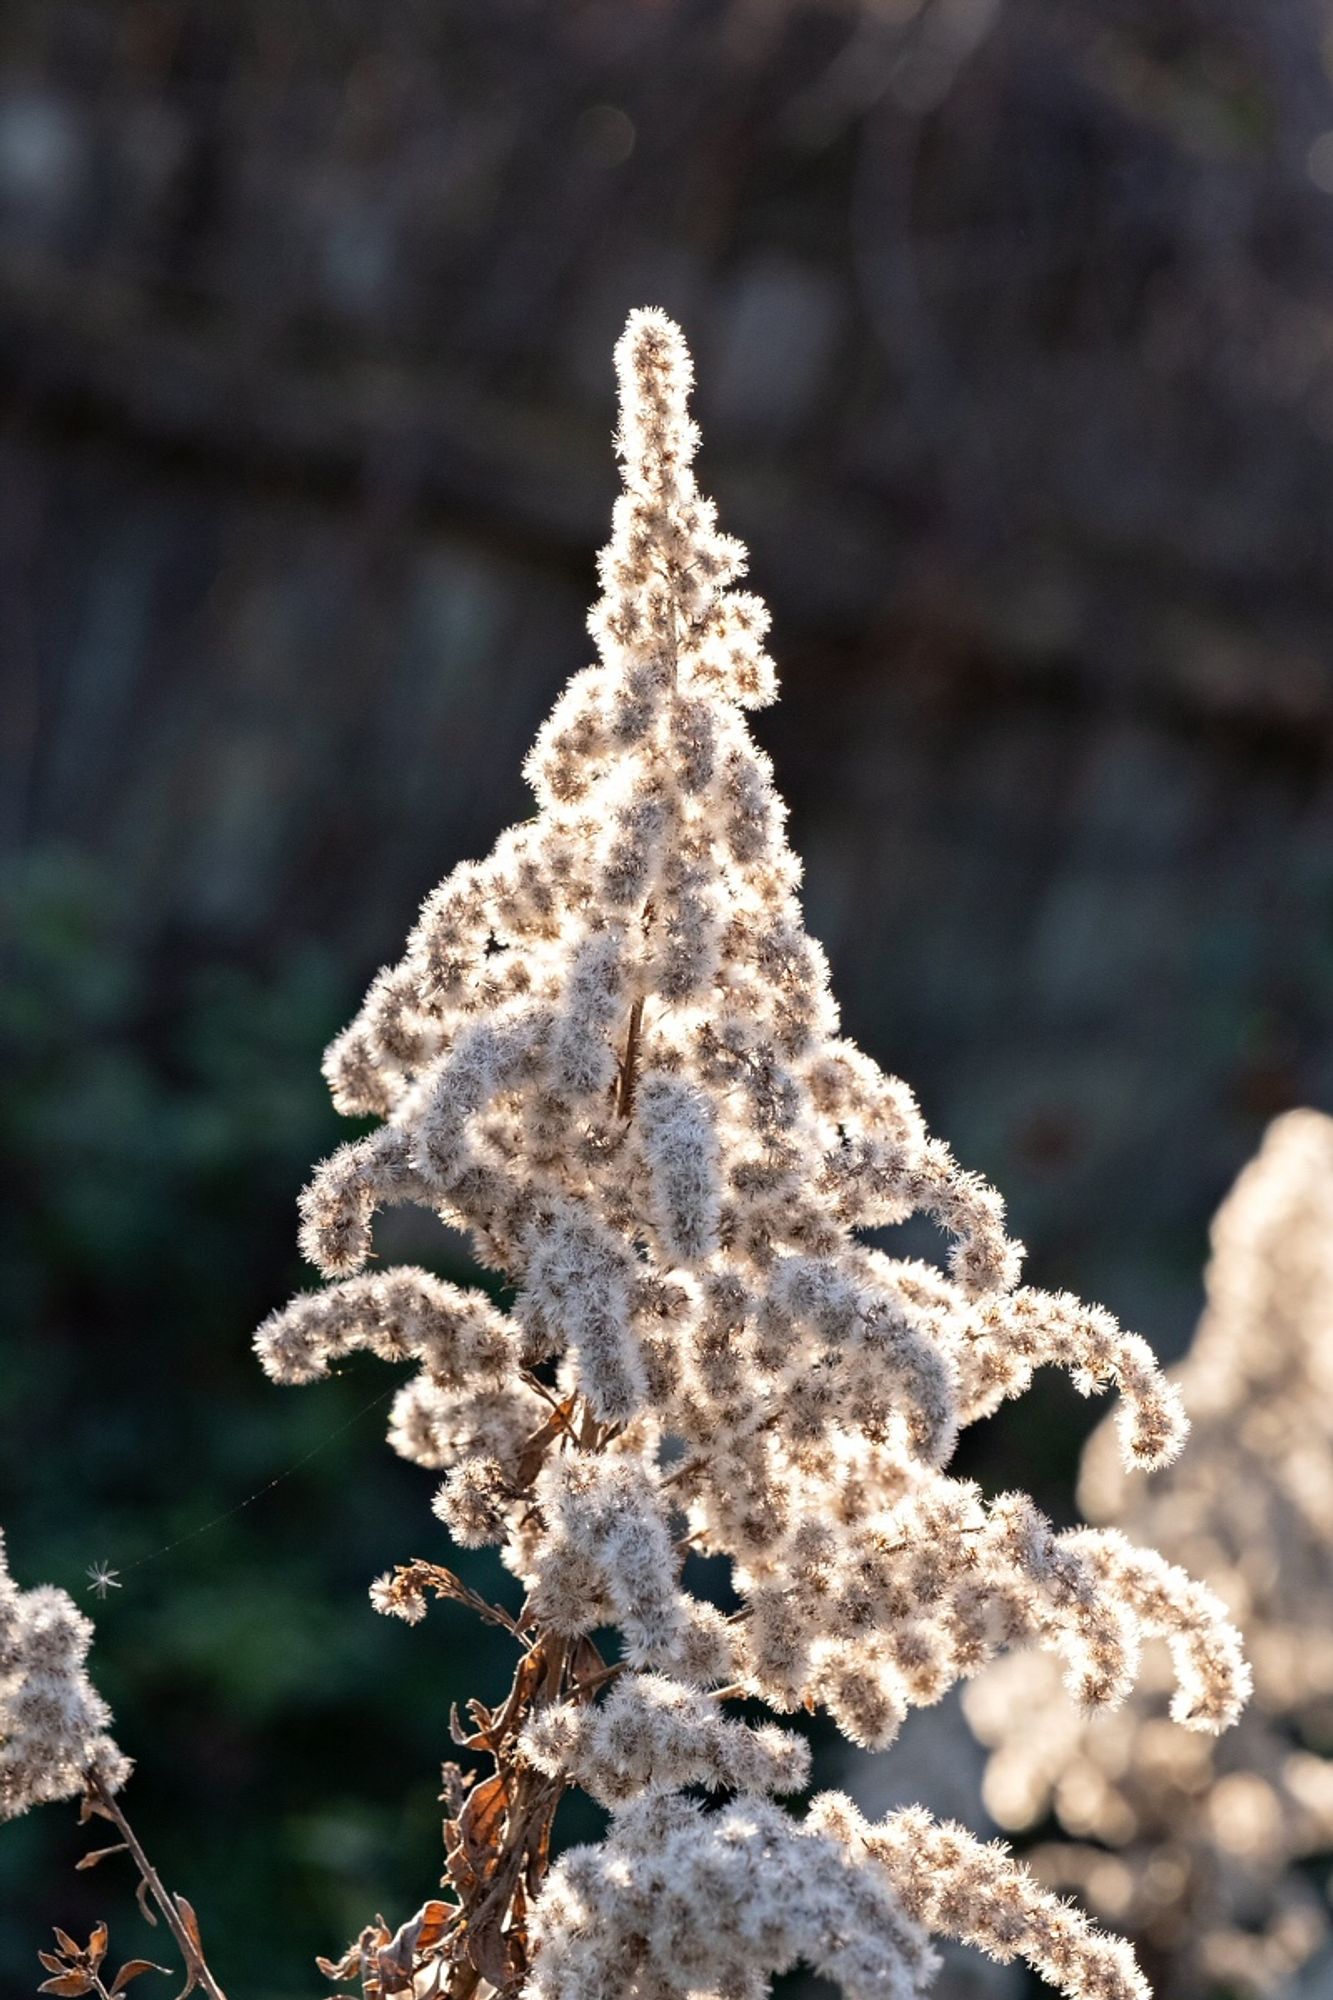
x,y
1014,326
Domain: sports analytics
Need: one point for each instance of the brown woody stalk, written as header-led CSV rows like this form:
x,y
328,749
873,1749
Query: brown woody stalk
x,y
497,1843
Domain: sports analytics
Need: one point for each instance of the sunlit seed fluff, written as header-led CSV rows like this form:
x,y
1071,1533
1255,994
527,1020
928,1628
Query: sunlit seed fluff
x,y
687,933
578,1287
574,742
674,1903
53,1723
339,1204
653,1734
1029,1328
681,1147
610,1055
582,1058
692,736
1212,1843
607,1528
401,1314
474,1503
631,851
730,659
955,1886
438,1427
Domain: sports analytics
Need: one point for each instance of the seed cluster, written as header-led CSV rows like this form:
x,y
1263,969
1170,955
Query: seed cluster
x,y
53,1723
1196,1846
610,1054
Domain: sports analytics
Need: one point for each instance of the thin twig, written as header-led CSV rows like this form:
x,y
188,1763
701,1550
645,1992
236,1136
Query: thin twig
x,y
195,1963
599,1680
544,1390
628,1075
417,1575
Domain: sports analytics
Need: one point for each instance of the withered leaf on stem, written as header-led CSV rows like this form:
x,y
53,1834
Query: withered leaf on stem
x,y
396,1960
340,1968
484,1726
354,1960
527,1679
585,1662
131,1970
539,1854
480,1824
191,1923
456,1783
494,1953
96,1854
460,1871
420,1933
534,1449
518,1917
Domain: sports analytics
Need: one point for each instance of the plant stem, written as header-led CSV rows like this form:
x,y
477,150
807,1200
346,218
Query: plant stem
x,y
629,1067
192,1953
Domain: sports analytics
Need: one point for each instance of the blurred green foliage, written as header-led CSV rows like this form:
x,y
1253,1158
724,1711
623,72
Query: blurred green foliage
x,y
159,1115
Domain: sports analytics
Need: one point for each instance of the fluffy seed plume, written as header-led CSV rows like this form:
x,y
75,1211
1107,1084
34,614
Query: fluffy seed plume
x,y
1204,1849
53,1723
610,1053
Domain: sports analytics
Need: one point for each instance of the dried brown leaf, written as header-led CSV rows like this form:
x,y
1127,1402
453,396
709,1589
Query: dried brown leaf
x,y
97,1945
353,1961
539,1855
483,1817
491,1952
397,1961
527,1679
438,1973
70,1983
459,1869
484,1723
131,1970
518,1924
96,1854
191,1923
534,1448
585,1662
456,1783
